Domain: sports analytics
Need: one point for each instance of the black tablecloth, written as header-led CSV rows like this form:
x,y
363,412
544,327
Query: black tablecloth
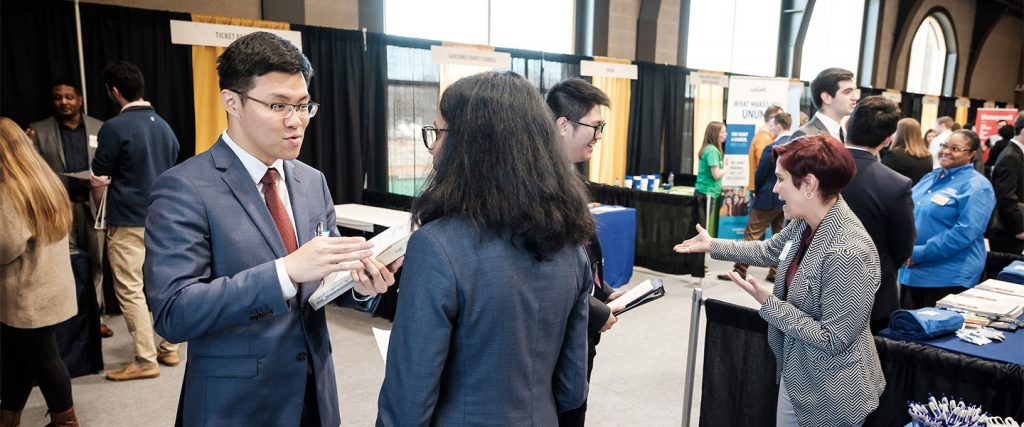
x,y
739,375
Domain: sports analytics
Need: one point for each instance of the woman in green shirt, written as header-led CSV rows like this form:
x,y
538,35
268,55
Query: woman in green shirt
x,y
709,176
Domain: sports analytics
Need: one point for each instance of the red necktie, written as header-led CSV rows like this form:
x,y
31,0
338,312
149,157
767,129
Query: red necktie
x,y
277,210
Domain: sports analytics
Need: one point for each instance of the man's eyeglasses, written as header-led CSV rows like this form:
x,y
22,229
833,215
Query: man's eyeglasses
x,y
954,149
285,110
598,129
430,134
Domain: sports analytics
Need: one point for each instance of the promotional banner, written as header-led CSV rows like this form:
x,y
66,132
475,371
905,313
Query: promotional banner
x,y
748,98
985,121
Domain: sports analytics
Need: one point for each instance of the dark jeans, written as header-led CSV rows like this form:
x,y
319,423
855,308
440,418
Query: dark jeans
x,y
29,357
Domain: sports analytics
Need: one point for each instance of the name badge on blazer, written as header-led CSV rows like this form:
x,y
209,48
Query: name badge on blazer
x,y
939,199
93,141
785,250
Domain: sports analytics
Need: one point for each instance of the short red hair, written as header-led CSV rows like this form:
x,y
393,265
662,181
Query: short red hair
x,y
821,155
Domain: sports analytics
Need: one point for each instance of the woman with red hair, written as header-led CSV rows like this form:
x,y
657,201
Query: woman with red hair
x,y
827,366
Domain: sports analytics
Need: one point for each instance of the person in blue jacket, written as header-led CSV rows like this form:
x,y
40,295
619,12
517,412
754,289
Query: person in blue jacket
x,y
952,207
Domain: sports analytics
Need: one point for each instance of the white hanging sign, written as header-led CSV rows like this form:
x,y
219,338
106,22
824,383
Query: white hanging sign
x,y
709,79
219,35
608,69
462,56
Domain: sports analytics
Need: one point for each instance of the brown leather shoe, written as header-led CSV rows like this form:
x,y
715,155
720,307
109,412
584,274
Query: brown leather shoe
x,y
105,332
63,419
169,359
132,371
10,418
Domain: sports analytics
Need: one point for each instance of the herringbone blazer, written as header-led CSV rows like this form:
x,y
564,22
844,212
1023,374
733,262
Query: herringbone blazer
x,y
818,330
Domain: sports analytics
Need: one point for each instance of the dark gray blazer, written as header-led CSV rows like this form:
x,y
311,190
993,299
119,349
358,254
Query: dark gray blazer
x,y
48,143
484,333
819,332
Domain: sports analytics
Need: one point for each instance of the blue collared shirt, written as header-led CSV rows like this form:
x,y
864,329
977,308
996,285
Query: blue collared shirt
x,y
951,211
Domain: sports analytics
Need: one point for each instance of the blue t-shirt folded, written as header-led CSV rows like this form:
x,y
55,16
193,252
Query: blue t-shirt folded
x,y
1013,273
924,323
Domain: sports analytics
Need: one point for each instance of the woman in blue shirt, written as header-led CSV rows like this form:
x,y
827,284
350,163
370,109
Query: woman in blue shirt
x,y
952,206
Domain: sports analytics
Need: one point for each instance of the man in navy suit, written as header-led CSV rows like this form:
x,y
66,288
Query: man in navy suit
x,y
881,198
234,251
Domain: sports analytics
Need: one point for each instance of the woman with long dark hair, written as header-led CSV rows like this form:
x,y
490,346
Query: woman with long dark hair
x,y
491,325
37,287
710,170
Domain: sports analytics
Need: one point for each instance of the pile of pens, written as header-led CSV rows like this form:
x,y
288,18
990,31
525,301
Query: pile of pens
x,y
946,413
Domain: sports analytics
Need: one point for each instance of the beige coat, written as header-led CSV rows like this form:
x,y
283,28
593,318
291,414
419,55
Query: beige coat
x,y
37,287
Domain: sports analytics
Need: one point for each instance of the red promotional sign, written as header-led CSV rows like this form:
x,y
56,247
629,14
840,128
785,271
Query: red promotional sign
x,y
987,118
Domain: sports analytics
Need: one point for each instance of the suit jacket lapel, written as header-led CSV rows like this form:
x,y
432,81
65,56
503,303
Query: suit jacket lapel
x,y
240,183
301,212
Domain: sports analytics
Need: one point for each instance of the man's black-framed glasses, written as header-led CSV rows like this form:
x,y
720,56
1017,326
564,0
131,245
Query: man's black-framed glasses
x,y
598,128
430,135
285,110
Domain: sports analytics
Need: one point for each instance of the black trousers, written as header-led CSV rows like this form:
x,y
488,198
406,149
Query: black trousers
x,y
29,357
913,297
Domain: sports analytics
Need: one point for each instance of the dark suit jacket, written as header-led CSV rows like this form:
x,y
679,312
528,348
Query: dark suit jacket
x,y
905,164
881,199
764,178
485,334
812,127
48,142
1008,183
211,280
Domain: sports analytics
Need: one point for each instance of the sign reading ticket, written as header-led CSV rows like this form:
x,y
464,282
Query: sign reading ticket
x,y
218,35
477,58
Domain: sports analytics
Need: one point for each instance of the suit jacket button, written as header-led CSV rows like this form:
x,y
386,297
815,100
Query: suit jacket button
x,y
301,357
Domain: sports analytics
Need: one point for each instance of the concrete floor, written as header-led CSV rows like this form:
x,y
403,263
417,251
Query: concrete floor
x,y
638,377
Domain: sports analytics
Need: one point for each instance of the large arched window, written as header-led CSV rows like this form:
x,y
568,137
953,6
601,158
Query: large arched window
x,y
832,38
932,57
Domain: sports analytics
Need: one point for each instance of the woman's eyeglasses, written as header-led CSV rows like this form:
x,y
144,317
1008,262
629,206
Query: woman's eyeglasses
x,y
430,135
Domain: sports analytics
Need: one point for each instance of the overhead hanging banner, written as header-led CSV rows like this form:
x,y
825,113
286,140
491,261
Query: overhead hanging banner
x,y
218,35
477,58
748,98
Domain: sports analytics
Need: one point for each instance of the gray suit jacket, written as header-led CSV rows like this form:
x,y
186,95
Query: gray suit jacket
x,y
48,143
484,333
813,127
819,333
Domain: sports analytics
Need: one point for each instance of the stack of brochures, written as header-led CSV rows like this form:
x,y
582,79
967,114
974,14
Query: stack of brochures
x,y
991,298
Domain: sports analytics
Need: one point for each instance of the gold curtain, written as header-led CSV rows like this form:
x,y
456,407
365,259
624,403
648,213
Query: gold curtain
x,y
708,106
211,119
929,112
961,112
609,160
452,72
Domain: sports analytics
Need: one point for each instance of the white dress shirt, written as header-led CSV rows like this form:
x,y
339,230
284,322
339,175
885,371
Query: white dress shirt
x,y
831,125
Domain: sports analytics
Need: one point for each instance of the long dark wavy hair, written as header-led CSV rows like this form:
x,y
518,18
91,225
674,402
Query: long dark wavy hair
x,y
501,166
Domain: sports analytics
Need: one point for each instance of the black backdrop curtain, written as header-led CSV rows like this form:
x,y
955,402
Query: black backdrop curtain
x,y
660,121
142,37
947,107
972,111
347,140
911,105
37,46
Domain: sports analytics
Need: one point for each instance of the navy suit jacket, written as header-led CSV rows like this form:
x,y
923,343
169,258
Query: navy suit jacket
x,y
764,178
881,199
211,280
485,334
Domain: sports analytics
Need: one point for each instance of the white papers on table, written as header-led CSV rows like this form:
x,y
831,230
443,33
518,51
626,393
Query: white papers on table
x,y
605,208
984,302
1002,287
383,337
387,247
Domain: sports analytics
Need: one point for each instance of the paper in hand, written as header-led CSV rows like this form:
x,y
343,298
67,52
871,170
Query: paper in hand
x,y
83,175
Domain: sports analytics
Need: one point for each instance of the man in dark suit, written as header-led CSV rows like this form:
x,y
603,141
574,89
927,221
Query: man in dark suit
x,y
881,198
67,141
234,251
576,105
1006,233
834,94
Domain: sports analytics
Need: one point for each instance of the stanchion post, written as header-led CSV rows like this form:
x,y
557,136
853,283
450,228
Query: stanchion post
x,y
691,354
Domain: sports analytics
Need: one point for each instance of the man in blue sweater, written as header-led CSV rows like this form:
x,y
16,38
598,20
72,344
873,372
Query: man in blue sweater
x,y
134,149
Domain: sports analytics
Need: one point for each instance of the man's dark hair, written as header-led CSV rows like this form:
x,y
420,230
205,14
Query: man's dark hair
x,y
573,98
1006,132
771,111
828,81
1018,125
63,81
256,54
127,78
500,132
872,121
783,119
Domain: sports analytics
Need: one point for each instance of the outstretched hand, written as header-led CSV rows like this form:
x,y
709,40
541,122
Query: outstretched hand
x,y
758,291
698,244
